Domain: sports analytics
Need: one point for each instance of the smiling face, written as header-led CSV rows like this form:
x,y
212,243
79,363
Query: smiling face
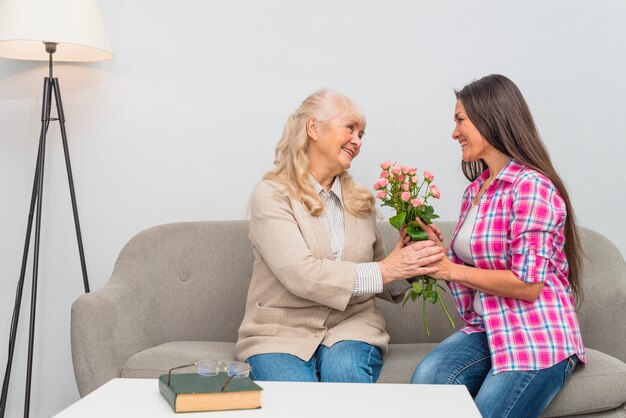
x,y
474,147
334,144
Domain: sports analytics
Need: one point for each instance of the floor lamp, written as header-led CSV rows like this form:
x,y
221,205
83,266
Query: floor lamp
x,y
66,30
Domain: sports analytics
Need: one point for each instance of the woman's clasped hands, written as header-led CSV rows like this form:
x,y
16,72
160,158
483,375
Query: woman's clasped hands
x,y
409,259
443,268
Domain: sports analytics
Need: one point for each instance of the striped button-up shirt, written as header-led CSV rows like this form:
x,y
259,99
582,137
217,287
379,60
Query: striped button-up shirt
x,y
369,279
520,227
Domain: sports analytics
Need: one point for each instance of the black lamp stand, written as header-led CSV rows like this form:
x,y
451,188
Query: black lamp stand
x,y
51,85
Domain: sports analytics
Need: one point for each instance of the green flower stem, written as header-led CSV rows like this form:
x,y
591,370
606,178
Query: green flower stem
x,y
424,315
444,306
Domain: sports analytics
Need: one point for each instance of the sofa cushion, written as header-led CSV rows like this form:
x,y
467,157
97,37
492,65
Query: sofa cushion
x,y
153,362
402,360
597,386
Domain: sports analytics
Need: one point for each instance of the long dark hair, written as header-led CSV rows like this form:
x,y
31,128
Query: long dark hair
x,y
497,108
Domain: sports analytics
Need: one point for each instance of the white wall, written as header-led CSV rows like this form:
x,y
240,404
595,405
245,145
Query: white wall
x,y
184,121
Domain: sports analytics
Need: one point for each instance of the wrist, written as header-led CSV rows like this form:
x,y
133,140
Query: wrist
x,y
455,273
463,274
384,272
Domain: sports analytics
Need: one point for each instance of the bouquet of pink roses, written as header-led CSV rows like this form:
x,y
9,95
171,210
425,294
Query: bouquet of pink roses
x,y
400,188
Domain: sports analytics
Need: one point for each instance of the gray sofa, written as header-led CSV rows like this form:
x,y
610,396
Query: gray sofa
x,y
177,295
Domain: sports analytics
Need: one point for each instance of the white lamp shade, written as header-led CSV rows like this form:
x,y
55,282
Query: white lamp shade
x,y
76,25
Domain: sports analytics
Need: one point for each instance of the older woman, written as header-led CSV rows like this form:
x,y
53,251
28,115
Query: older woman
x,y
310,313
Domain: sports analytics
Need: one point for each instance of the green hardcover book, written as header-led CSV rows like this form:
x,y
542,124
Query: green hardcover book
x,y
190,392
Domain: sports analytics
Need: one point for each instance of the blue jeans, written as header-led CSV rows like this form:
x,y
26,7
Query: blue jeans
x,y
346,361
464,359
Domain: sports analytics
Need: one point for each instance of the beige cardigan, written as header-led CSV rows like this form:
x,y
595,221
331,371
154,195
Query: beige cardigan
x,y
299,296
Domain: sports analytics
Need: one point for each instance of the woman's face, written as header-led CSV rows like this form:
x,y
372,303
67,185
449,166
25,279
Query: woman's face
x,y
336,143
473,145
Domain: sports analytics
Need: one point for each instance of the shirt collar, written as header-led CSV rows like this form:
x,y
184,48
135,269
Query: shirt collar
x,y
335,188
508,173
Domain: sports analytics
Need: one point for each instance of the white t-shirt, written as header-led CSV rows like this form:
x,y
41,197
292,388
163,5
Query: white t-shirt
x,y
462,249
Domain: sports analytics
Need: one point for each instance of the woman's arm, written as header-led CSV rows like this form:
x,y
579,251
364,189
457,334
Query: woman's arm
x,y
495,282
536,228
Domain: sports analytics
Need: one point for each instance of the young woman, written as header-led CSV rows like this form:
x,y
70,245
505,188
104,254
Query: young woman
x,y
310,313
514,262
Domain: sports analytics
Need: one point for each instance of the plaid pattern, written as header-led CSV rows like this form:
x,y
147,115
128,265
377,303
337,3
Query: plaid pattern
x,y
520,227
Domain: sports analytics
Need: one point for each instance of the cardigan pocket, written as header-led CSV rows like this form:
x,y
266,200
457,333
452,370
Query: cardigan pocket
x,y
266,320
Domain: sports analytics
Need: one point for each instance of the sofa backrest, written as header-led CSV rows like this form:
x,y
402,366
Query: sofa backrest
x,y
193,279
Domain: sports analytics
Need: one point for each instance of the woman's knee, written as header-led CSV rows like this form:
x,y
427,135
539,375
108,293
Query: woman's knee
x,y
460,359
281,367
350,361
430,371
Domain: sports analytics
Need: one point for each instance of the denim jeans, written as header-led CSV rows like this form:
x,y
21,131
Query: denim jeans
x,y
464,359
345,361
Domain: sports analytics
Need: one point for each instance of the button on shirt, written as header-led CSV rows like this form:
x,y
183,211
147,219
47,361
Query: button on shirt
x,y
369,279
520,227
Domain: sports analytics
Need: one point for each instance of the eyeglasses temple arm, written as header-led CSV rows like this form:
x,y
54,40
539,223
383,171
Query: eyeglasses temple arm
x,y
169,373
231,377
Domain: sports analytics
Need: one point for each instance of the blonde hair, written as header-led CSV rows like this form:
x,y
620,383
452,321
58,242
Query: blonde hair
x,y
292,154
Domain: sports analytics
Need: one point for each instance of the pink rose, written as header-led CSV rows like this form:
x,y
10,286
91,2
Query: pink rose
x,y
416,203
376,186
412,171
400,177
405,196
405,187
434,191
382,194
383,182
414,179
428,175
384,174
395,169
406,169
385,165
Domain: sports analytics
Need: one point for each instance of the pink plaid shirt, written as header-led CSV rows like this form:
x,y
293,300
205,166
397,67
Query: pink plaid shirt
x,y
520,227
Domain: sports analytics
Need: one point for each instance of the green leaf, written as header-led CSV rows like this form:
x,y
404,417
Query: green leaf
x,y
429,210
398,220
426,219
417,287
430,296
413,296
406,298
415,232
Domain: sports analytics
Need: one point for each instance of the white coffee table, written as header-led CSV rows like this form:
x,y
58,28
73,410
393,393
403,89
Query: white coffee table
x,y
141,398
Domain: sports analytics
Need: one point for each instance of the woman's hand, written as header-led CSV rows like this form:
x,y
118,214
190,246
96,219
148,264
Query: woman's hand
x,y
412,260
403,240
445,269
434,234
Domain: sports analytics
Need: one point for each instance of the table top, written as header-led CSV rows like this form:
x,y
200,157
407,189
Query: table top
x,y
141,398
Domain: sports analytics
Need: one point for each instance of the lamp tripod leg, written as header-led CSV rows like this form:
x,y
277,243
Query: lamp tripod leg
x,y
70,179
20,284
45,118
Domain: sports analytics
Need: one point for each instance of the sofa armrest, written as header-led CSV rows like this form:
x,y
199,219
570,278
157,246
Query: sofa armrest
x,y
106,331
601,314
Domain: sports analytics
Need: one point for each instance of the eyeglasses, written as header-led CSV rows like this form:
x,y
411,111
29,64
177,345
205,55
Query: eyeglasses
x,y
234,369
